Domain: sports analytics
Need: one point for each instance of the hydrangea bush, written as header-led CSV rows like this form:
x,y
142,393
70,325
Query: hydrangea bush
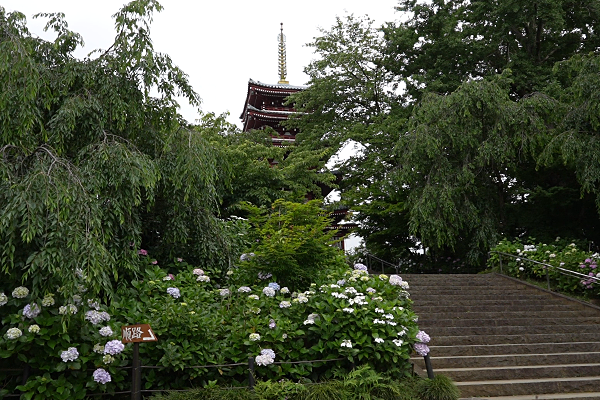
x,y
60,342
350,315
562,253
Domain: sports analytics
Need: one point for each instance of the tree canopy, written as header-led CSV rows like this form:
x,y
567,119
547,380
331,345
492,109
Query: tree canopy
x,y
95,162
476,120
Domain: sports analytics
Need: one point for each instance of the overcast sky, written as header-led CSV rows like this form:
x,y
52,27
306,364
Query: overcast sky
x,y
219,44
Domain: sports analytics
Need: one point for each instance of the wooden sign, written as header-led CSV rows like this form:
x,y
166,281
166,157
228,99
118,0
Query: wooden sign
x,y
137,333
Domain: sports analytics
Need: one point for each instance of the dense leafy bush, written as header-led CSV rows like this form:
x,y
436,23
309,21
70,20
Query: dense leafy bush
x,y
290,241
562,254
200,320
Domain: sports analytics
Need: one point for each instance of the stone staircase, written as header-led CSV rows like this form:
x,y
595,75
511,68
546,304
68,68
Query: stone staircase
x,y
498,338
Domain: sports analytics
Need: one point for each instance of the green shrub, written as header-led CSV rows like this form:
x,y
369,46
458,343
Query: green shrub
x,y
561,253
439,388
349,317
291,242
214,393
279,390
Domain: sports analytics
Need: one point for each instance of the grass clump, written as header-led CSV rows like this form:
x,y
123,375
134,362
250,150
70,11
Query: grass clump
x,y
439,388
362,383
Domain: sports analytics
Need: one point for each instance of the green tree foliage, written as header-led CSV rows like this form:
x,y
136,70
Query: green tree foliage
x,y
445,42
95,162
291,242
246,173
352,98
459,158
487,140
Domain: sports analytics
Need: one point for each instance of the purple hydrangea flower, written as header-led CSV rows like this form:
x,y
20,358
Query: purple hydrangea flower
x,y
70,354
174,292
421,349
360,267
31,311
101,376
264,275
113,347
93,316
423,337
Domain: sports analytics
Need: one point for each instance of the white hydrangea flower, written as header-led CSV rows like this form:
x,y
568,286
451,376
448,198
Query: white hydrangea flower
x,y
13,333
268,291
3,299
48,300
348,310
339,295
20,292
98,348
34,328
285,304
379,340
106,331
108,359
263,360
254,337
284,290
395,280
346,343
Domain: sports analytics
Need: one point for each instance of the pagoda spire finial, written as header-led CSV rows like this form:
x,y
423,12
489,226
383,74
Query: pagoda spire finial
x,y
282,58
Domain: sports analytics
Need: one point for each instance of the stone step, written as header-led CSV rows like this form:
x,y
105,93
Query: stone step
x,y
520,372
499,338
497,320
485,295
514,348
530,338
528,386
434,330
446,277
480,302
523,311
508,360
432,291
545,396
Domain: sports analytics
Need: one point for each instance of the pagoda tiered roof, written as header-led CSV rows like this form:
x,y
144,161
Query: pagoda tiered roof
x,y
266,106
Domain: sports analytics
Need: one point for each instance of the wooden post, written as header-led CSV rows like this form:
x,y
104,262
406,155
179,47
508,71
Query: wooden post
x,y
136,374
251,373
500,259
26,372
